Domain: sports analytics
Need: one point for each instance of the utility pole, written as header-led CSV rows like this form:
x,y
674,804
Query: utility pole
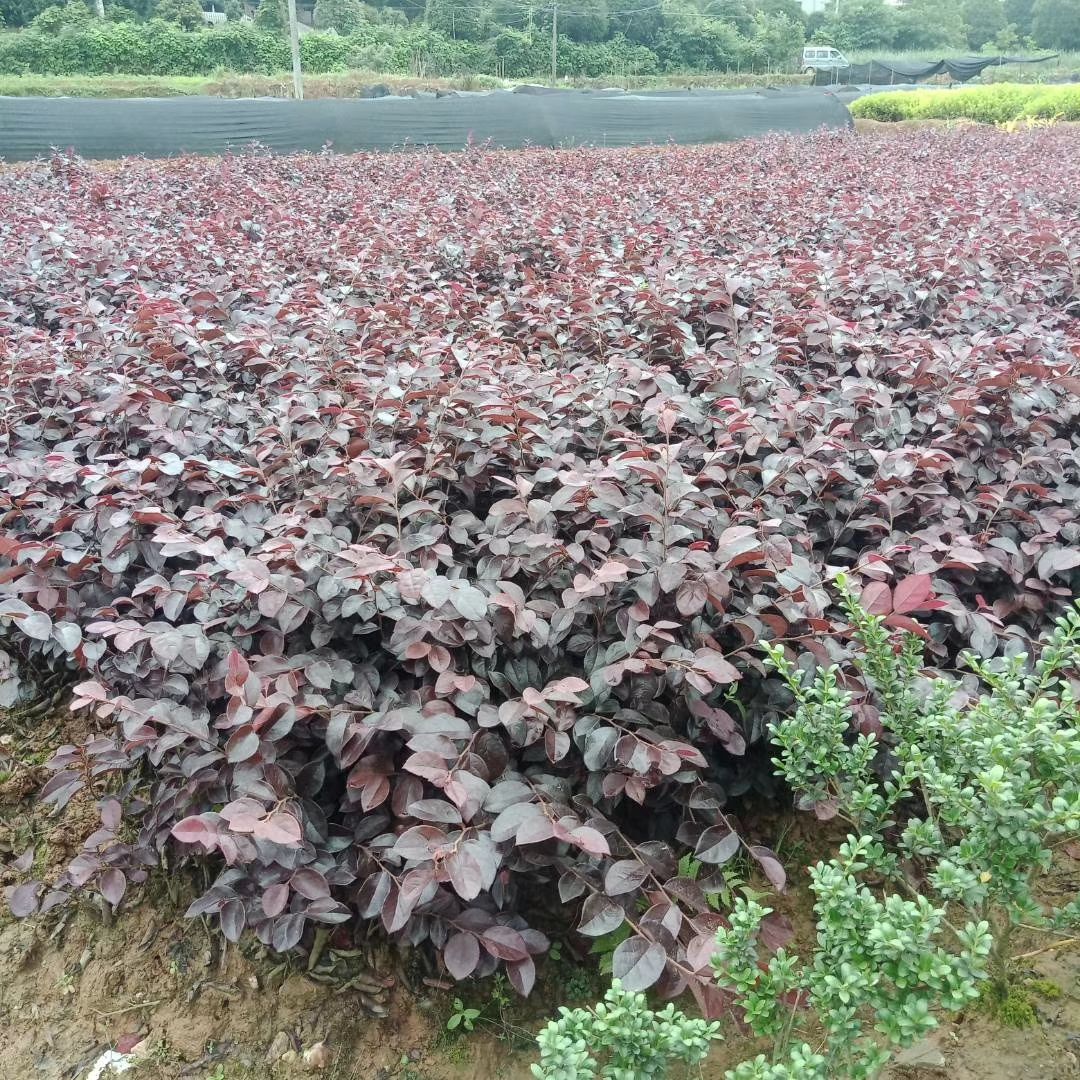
x,y
554,42
294,45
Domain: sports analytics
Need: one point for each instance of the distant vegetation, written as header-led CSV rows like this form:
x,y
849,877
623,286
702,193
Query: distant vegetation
x,y
510,38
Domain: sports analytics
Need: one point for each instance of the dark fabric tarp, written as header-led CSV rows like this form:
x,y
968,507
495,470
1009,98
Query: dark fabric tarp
x,y
157,127
887,72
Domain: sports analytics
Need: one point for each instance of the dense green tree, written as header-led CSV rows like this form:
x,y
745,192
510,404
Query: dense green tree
x,y
1019,14
74,15
272,16
1055,24
636,21
459,20
589,21
344,16
515,13
16,13
120,13
776,40
861,24
234,10
187,14
520,55
1006,40
983,21
737,13
791,8
697,44
930,26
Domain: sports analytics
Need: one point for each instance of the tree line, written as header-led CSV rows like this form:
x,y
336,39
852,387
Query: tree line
x,y
512,38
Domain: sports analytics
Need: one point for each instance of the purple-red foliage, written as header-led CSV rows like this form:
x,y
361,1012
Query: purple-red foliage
x,y
413,520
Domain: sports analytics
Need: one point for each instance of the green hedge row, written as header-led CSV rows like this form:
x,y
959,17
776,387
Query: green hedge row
x,y
159,48
996,104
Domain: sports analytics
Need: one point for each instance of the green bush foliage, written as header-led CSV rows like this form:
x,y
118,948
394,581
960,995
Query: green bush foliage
x,y
966,786
74,15
342,16
622,1039
878,971
975,783
452,38
1000,103
159,48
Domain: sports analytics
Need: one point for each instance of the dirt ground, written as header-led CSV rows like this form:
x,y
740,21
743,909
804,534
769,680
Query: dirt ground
x,y
72,988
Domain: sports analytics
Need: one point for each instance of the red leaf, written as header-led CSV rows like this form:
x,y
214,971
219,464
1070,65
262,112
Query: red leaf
x,y
113,884
233,918
23,900
252,574
624,876
199,829
638,963
522,975
711,663
464,873
419,843
717,844
691,597
771,865
274,899
902,622
238,671
877,598
700,952
912,593
280,828
309,883
242,745
590,840
776,931
461,954
288,930
504,943
600,916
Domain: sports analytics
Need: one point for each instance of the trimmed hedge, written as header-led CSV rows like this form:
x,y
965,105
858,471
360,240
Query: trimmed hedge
x,y
998,104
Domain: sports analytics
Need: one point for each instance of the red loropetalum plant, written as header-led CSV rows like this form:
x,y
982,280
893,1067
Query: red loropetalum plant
x,y
412,521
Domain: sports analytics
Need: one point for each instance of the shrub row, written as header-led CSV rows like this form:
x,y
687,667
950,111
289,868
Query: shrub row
x,y
997,104
417,569
158,48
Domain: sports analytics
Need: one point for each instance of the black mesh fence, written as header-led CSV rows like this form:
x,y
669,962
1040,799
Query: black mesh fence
x,y
888,72
159,127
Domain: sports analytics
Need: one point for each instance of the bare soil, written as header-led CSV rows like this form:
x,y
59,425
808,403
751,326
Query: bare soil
x,y
72,987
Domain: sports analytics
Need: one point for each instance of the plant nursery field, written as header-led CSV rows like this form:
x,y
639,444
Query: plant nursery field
x,y
388,546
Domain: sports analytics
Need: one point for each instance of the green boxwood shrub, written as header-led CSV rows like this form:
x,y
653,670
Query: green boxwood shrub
x,y
1001,103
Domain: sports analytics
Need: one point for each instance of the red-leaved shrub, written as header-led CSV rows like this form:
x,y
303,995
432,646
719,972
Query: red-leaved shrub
x,y
413,520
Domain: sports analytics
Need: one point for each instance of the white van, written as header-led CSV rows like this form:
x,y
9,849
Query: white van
x,y
822,58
